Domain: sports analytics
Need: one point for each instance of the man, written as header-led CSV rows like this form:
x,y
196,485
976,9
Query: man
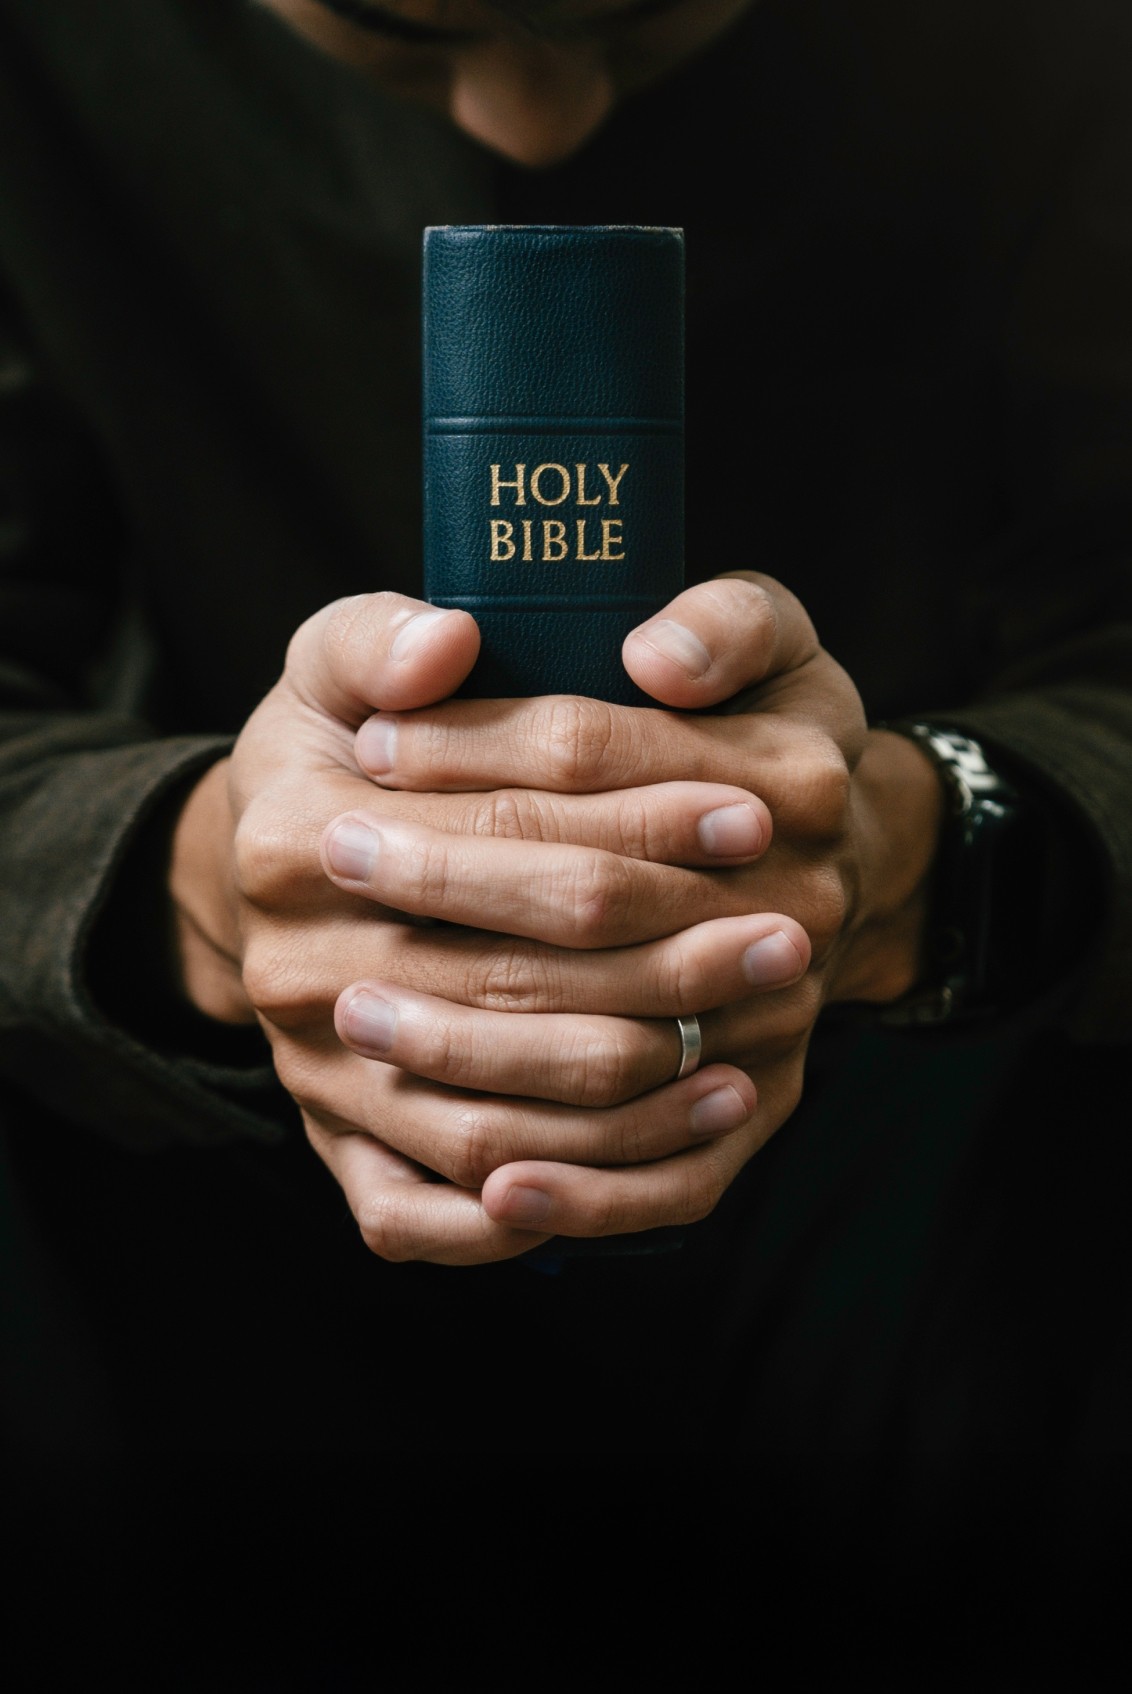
x,y
907,496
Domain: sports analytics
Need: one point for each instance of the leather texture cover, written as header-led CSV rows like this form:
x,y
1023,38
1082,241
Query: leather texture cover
x,y
553,444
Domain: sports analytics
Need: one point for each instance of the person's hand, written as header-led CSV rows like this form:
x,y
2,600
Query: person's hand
x,y
264,935
840,889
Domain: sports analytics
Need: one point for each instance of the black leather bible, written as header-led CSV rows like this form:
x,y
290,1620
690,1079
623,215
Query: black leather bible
x,y
553,444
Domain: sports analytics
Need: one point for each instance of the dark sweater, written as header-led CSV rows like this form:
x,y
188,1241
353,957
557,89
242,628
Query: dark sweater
x,y
909,247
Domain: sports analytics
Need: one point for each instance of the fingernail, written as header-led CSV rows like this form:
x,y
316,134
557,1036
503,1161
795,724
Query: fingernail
x,y
723,1108
676,642
414,632
351,849
527,1207
731,831
772,961
371,1022
375,745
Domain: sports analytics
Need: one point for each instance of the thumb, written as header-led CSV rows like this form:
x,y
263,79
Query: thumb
x,y
718,638
380,651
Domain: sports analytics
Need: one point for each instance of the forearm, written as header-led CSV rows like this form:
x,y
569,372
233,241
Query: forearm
x,y
79,795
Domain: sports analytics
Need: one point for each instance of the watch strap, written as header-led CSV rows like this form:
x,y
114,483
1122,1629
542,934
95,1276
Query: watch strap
x,y
979,934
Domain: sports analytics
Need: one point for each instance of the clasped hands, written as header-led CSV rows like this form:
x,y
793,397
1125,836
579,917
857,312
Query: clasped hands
x,y
467,926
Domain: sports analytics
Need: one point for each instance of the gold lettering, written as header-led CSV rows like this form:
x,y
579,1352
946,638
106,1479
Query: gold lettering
x,y
527,540
517,485
582,501
558,540
501,539
614,482
581,553
536,478
608,538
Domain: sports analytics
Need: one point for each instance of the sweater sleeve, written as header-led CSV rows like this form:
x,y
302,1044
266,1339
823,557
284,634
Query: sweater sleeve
x,y
1060,634
82,780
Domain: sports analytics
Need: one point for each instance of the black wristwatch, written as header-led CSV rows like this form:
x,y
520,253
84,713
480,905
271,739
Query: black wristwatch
x,y
982,925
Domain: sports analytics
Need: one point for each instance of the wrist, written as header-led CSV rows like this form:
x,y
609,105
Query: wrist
x,y
206,935
980,958
899,802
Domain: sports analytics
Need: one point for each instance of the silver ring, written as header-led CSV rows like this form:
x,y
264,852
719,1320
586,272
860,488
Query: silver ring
x,y
691,1045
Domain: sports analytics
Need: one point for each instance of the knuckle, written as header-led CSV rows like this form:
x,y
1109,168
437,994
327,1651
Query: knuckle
x,y
827,908
275,980
786,1019
448,1058
801,1006
304,642
354,623
701,1192
574,740
821,782
519,814
340,625
330,635
603,1073
809,998
606,1217
740,597
421,868
683,982
740,603
301,1074
261,853
790,1097
258,975
507,813
637,828
514,980
476,1148
599,898
633,1142
383,1228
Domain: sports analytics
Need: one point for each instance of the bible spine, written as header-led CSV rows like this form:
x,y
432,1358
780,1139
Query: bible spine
x,y
553,445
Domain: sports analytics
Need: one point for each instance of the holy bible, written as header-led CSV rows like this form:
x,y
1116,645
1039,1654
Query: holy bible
x,y
553,381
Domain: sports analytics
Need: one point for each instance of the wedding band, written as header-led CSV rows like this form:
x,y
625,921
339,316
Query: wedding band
x,y
691,1045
